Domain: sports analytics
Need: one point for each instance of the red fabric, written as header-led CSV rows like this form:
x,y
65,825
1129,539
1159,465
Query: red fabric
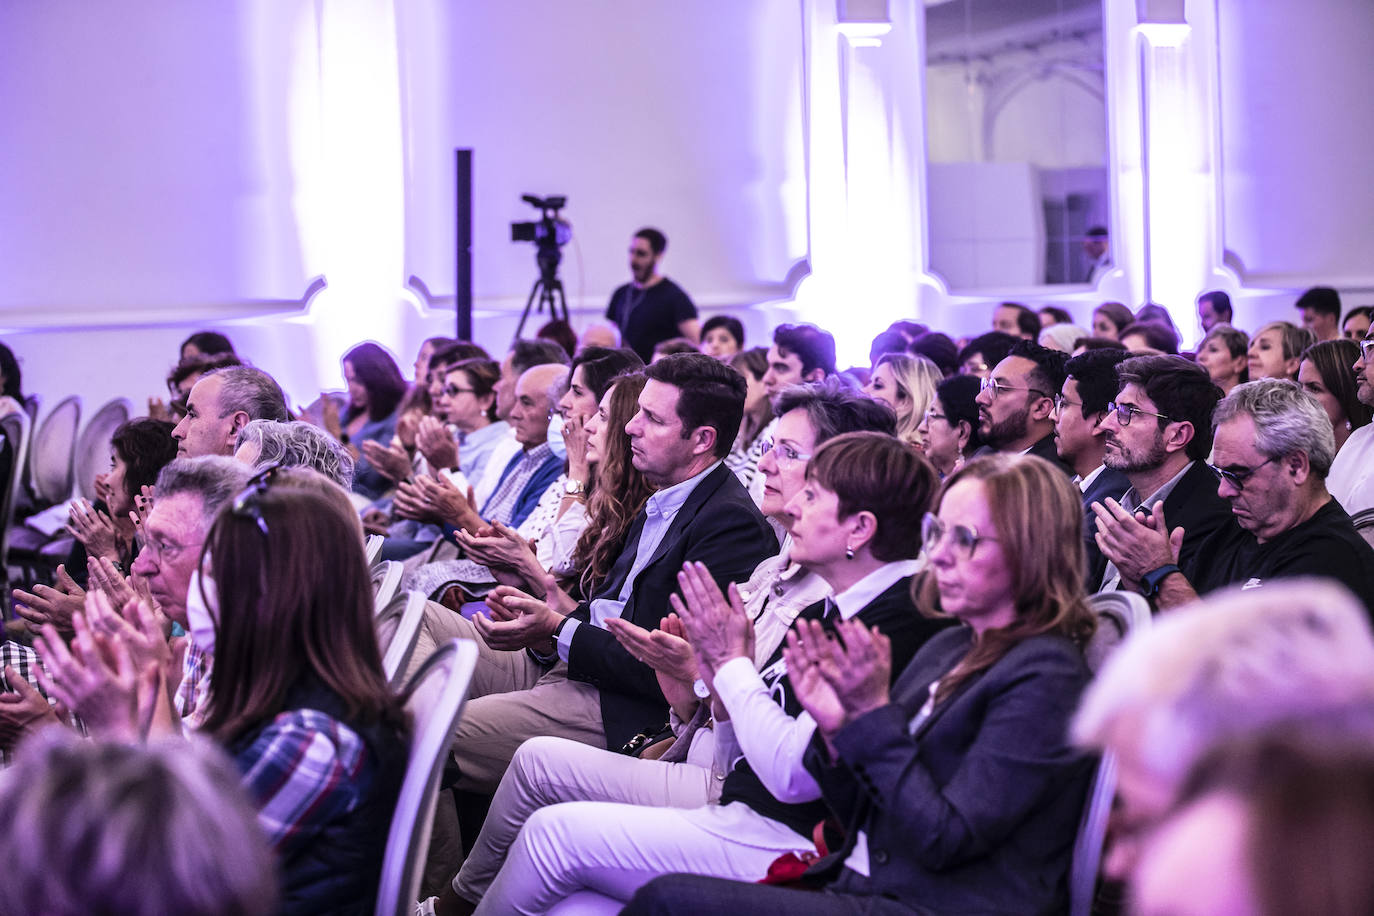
x,y
787,869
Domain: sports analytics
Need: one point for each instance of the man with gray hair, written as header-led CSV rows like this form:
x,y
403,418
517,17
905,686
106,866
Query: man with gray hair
x,y
1271,450
221,404
1238,663
294,444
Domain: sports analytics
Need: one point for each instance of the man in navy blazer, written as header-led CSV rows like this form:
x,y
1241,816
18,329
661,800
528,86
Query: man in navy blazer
x,y
576,681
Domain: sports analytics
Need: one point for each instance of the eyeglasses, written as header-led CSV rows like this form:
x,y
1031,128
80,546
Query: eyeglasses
x,y
1367,348
998,386
1125,413
1237,478
964,537
932,415
1060,402
163,551
784,455
246,504
453,391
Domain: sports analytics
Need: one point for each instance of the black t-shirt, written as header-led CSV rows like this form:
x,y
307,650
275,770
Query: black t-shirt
x,y
897,618
1326,545
650,315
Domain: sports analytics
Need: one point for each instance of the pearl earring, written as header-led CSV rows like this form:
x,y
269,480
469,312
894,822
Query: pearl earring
x,y
848,552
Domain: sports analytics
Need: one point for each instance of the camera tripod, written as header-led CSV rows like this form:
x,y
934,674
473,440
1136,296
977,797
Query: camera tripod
x,y
547,290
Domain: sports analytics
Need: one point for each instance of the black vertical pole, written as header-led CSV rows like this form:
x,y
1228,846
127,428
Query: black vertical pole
x,y
462,287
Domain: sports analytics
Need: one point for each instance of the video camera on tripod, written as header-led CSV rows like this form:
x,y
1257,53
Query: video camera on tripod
x,y
549,233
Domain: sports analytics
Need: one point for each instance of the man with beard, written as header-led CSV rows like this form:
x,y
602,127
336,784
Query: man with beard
x,y
1016,405
651,308
1158,433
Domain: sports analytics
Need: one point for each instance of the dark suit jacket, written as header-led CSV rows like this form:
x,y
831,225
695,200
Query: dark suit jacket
x,y
1109,484
978,811
1045,448
718,525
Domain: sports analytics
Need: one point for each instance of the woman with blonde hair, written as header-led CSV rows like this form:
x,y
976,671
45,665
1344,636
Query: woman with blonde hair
x,y
907,385
1276,350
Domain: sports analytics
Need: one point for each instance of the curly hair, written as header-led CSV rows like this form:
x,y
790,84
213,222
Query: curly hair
x,y
618,491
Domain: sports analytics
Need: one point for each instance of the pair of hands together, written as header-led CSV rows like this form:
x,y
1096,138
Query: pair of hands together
x,y
58,604
427,434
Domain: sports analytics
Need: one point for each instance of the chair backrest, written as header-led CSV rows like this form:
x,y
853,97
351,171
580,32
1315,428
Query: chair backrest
x,y
398,627
386,579
1364,524
93,448
52,451
374,547
14,445
1119,614
435,700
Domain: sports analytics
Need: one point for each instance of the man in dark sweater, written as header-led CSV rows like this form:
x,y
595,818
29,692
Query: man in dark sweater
x,y
651,308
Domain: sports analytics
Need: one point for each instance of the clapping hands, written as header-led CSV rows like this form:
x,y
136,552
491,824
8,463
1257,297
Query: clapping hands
x,y
838,679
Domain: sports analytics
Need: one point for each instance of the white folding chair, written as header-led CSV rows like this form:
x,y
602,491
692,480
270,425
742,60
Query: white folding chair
x,y
398,627
14,446
1119,614
374,547
93,448
52,451
386,579
435,700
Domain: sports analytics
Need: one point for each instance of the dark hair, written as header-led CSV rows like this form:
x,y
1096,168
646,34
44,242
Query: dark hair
x,y
956,395
658,242
1095,374
1322,299
1027,322
1181,390
833,408
455,351
873,472
1048,374
1333,360
295,606
208,343
1059,315
814,347
1157,336
1098,343
939,348
380,376
1156,313
754,360
146,447
561,333
1096,232
675,345
618,492
199,365
908,328
1117,314
601,365
252,391
732,326
1234,339
887,342
710,393
1221,303
526,354
1365,310
992,346
482,375
9,367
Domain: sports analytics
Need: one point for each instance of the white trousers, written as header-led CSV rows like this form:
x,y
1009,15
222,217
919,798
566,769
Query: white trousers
x,y
614,849
547,771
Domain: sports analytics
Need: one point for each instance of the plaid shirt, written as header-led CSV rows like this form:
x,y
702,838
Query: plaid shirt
x,y
26,663
303,772
194,688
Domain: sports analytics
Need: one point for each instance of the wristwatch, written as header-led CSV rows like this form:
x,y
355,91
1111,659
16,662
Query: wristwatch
x,y
700,689
574,488
1152,580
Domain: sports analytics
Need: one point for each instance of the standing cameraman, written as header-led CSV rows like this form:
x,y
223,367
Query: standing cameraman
x,y
651,308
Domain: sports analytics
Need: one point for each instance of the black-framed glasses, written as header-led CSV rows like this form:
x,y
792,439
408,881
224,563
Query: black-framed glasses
x,y
964,538
1236,477
246,504
453,391
998,386
933,414
1125,413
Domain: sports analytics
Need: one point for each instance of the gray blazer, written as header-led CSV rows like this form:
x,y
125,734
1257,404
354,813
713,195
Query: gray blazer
x,y
977,811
